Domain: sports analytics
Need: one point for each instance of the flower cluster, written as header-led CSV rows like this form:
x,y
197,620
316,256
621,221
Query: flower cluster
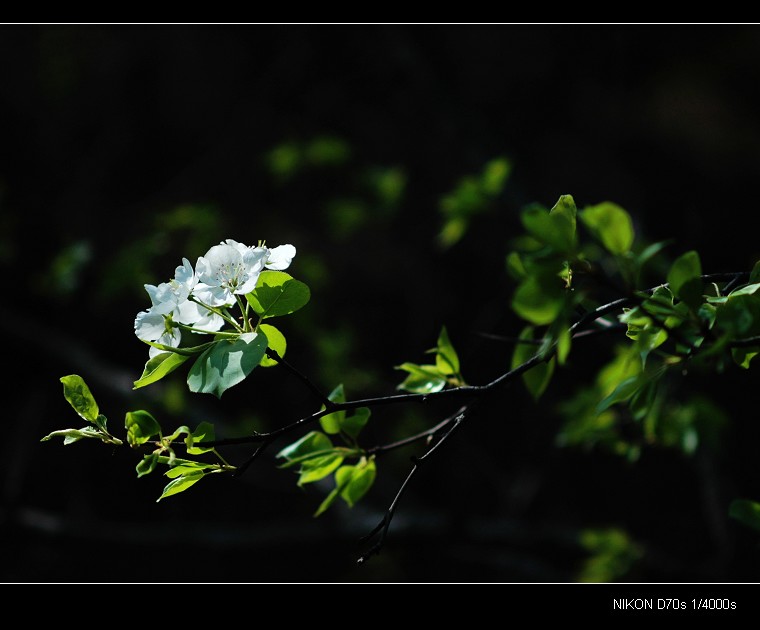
x,y
197,299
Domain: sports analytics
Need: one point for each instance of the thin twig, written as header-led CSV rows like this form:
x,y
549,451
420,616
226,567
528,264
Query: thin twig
x,y
381,528
428,433
273,354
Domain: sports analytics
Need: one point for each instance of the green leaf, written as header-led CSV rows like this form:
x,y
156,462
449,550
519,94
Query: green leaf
x,y
159,366
226,363
277,293
275,341
746,512
537,378
494,176
180,484
754,275
351,484
332,422
743,356
422,379
750,289
611,225
359,483
684,278
204,432
624,390
147,465
183,351
185,467
539,299
318,468
75,390
446,360
74,435
140,426
352,425
312,442
555,228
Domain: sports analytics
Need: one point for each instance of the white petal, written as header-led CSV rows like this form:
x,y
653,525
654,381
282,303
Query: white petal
x,y
169,338
250,284
254,259
211,322
162,297
185,275
281,257
238,246
149,326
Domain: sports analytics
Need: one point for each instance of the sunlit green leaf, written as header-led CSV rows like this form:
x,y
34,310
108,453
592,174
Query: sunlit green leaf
x,y
353,424
312,442
275,341
555,228
204,432
611,225
684,278
226,364
141,427
277,293
159,366
74,435
361,479
180,484
331,422
624,390
539,299
446,360
422,379
147,464
537,378
184,467
75,390
318,468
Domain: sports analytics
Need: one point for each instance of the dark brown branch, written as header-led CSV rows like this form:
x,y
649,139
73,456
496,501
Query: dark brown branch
x,y
272,354
381,529
428,433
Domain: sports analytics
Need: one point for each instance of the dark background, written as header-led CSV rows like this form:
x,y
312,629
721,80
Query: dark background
x,y
125,148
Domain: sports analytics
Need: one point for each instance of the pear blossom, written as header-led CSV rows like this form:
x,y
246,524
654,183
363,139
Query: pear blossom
x,y
227,270
280,257
150,326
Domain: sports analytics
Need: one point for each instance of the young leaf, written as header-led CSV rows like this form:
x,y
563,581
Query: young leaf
x,y
361,480
180,484
684,278
312,442
539,299
159,366
446,359
318,468
140,426
611,225
422,379
555,228
332,422
275,341
204,432
147,464
277,293
226,364
74,435
537,378
75,390
353,424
